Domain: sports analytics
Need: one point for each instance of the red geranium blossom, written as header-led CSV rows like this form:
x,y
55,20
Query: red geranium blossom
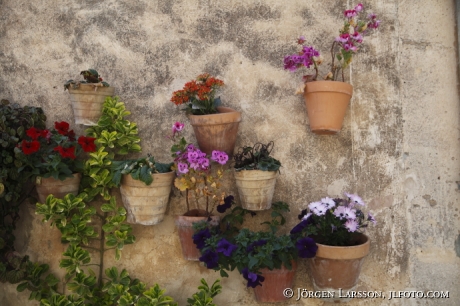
x,y
62,127
66,152
71,135
45,134
87,143
30,147
33,133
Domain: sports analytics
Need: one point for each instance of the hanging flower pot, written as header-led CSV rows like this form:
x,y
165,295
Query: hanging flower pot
x,y
327,103
275,282
337,268
216,131
185,230
58,188
146,204
255,188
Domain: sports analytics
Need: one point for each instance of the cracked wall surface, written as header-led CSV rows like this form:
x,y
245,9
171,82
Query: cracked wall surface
x,y
398,149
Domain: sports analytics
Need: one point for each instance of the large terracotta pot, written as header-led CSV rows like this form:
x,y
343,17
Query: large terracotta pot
x,y
337,269
185,229
87,101
255,188
58,188
327,103
216,131
146,204
275,282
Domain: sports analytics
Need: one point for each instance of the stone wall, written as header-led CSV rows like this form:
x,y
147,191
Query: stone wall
x,y
398,149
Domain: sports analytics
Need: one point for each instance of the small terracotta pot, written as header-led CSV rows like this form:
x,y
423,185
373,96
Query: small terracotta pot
x,y
185,229
146,204
327,103
58,188
275,282
216,131
87,101
255,188
337,269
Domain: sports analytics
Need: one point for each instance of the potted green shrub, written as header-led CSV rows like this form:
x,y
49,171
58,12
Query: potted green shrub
x,y
215,126
327,100
145,186
87,96
266,259
336,226
255,174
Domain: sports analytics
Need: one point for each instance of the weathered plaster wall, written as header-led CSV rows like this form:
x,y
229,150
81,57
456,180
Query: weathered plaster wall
x,y
399,147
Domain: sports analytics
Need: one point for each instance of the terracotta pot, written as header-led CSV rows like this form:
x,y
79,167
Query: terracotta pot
x,y
185,229
327,103
275,282
146,204
337,269
216,131
87,101
58,188
255,188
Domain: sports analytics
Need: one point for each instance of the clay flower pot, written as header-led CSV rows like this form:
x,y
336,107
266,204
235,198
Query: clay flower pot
x,y
87,101
255,188
185,230
337,268
275,282
327,103
58,188
216,131
146,204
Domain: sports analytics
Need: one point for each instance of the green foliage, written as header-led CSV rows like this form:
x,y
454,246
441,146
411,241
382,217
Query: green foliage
x,y
140,169
256,157
15,186
204,297
90,76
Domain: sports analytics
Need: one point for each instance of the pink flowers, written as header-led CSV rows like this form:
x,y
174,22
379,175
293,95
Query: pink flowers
x,y
220,157
177,127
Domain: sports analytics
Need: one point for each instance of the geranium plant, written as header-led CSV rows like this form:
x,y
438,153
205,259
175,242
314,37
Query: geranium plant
x,y
351,36
53,152
256,157
199,95
90,76
335,221
194,171
231,246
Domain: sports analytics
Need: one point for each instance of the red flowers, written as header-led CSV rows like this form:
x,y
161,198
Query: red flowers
x,y
62,127
87,143
201,89
33,133
66,152
30,147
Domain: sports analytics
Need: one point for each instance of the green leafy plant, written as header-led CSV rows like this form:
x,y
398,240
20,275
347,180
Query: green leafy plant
x,y
256,157
140,169
90,76
233,246
205,295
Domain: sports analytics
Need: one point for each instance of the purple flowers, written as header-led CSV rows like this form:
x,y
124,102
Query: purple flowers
x,y
306,58
306,247
351,225
253,279
199,238
177,127
225,247
228,201
210,258
220,157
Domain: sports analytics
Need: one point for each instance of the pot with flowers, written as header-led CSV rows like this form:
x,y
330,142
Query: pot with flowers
x,y
88,96
255,175
336,226
327,100
215,126
266,259
51,156
201,183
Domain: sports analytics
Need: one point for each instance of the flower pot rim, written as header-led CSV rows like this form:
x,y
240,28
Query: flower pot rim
x,y
328,86
225,115
345,252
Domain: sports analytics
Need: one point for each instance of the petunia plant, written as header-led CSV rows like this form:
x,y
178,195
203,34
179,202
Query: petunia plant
x,y
233,246
53,152
333,221
195,174
347,44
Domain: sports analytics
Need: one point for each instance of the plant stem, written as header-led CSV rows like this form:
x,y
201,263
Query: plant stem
x,y
333,58
186,200
101,251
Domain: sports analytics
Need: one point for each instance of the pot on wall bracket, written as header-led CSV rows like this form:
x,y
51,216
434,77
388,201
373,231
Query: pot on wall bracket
x,y
255,188
327,103
275,282
58,188
87,101
185,230
336,269
146,204
216,131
